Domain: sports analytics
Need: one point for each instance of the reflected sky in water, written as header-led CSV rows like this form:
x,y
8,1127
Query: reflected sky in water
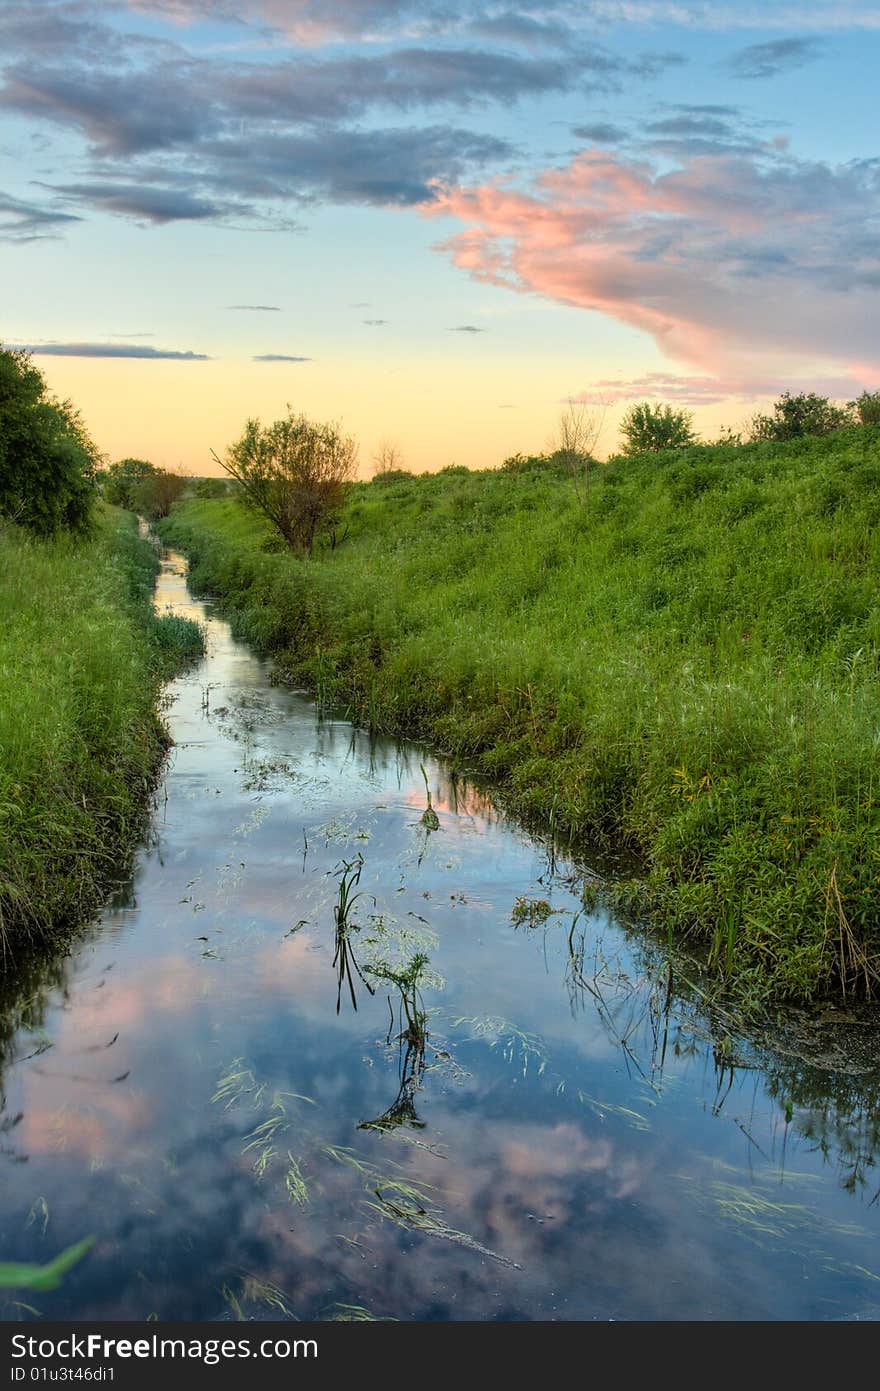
x,y
575,1140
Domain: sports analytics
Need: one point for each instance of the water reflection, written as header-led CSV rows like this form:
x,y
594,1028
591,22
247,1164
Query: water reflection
x,y
322,1058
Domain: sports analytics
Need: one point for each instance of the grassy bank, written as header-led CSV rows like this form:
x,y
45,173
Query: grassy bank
x,y
688,664
82,657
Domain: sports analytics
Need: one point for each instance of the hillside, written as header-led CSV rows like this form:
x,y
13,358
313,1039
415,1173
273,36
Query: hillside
x,y
82,660
688,665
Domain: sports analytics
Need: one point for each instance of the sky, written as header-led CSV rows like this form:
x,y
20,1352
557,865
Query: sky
x,y
436,222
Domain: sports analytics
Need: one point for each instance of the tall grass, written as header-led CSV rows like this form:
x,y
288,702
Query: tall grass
x,y
688,665
82,657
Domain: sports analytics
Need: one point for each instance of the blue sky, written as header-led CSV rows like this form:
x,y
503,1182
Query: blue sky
x,y
436,222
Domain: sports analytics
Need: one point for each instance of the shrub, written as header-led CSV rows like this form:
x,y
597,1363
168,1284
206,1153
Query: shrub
x,y
212,487
803,414
867,408
647,428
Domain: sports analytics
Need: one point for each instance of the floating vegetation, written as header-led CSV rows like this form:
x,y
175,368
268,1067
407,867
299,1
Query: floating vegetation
x,y
239,1084
530,912
396,1198
356,1313
750,1209
235,1084
527,1051
397,1202
270,775
294,1182
261,1139
17,1275
251,823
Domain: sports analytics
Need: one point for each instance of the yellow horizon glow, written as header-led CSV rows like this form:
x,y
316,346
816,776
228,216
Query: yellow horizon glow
x,y
437,411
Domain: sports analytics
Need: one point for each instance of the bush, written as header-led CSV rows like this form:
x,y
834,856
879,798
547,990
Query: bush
x,y
867,408
646,428
212,487
48,462
796,416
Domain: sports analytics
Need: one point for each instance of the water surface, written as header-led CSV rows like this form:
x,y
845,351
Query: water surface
x,y
569,1138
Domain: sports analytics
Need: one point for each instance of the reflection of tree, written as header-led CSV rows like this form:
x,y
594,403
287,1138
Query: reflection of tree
x,y
822,1074
25,997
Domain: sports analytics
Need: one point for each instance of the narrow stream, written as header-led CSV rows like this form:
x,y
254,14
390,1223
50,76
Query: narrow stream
x,y
325,1056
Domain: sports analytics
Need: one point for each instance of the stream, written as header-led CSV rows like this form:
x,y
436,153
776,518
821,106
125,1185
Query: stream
x,y
346,1044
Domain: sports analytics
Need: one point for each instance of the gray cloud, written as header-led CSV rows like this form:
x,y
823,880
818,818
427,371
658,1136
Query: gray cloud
x,y
151,204
398,166
211,134
512,26
257,308
122,114
22,222
316,21
601,133
768,59
651,65
466,328
691,124
375,323
280,357
177,104
707,130
111,350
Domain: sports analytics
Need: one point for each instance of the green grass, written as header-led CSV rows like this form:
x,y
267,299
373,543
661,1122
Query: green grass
x,y
688,666
82,657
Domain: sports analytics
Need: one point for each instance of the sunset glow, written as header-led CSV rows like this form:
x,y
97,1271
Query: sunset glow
x,y
435,223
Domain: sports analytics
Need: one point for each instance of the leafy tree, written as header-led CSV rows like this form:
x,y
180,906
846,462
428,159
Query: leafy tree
x,y
803,414
48,462
122,478
647,428
296,472
155,493
867,408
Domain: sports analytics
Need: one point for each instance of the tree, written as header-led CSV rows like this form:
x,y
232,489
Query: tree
x,y
48,462
796,416
388,458
866,408
155,493
296,472
122,478
574,443
647,428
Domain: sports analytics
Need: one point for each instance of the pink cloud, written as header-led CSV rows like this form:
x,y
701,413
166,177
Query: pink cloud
x,y
743,267
709,391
